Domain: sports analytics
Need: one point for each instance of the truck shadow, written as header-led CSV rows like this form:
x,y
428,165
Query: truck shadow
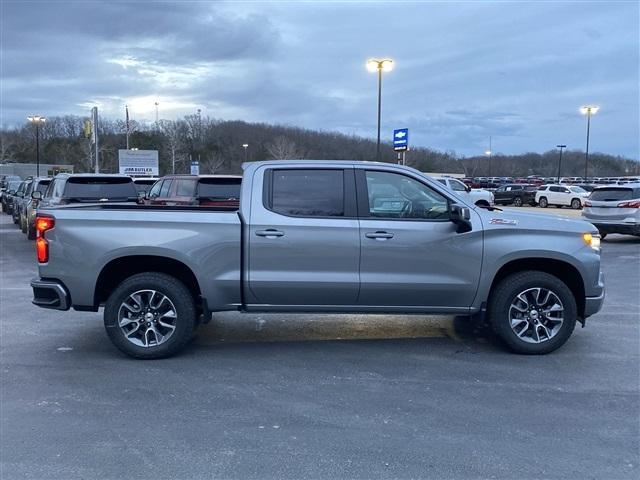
x,y
233,328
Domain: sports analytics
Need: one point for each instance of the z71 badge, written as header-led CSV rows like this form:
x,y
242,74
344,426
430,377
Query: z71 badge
x,y
502,221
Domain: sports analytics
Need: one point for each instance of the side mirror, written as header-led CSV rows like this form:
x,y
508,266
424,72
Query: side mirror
x,y
467,188
37,195
461,216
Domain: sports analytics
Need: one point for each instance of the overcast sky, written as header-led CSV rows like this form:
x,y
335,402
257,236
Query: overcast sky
x,y
515,71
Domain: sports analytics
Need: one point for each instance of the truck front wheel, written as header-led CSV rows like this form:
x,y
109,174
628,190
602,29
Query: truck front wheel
x,y
532,312
150,315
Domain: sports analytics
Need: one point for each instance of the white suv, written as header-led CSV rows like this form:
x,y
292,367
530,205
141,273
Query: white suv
x,y
561,195
478,196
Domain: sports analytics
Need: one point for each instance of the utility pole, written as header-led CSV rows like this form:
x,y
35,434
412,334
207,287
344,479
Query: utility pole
x,y
560,160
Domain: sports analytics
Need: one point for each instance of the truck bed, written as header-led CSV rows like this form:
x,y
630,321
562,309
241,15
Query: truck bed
x,y
89,237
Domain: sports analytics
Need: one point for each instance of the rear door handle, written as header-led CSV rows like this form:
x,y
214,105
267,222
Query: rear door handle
x,y
379,235
269,233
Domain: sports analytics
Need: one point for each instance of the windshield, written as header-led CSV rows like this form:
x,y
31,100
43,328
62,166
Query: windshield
x,y
42,186
88,188
614,194
219,188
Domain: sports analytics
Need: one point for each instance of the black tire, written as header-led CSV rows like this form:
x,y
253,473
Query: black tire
x,y
543,202
576,204
517,202
175,291
23,224
505,292
31,231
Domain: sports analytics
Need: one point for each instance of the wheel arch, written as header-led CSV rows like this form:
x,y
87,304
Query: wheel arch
x,y
565,271
118,269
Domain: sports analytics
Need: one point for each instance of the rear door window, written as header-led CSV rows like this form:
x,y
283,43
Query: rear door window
x,y
308,193
185,187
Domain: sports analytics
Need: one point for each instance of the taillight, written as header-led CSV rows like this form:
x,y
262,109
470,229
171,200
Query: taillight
x,y
632,204
587,203
42,246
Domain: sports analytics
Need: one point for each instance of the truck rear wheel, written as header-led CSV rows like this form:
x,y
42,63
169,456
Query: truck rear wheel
x,y
150,315
532,312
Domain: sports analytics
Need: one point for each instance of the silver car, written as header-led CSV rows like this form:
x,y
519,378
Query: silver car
x,y
614,209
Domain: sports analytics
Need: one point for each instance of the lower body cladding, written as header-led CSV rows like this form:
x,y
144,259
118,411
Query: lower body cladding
x,y
50,294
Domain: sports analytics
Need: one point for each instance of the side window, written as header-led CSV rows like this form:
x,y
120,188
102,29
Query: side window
x,y
442,181
457,186
185,188
166,187
58,189
392,195
308,193
505,189
155,190
49,191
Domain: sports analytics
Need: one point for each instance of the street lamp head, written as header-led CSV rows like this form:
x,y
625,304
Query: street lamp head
x,y
385,64
589,109
36,119
245,145
561,146
487,152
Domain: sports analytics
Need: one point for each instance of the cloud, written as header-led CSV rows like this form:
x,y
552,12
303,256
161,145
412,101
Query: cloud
x,y
464,71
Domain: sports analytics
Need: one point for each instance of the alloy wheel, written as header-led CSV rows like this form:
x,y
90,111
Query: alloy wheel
x,y
147,318
536,315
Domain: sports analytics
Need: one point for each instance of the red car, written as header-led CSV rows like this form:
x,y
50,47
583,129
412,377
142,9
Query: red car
x,y
198,190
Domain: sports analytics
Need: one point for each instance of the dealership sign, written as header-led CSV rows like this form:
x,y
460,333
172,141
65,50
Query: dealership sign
x,y
138,162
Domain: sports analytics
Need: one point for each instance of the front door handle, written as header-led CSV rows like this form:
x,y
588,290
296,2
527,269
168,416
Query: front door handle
x,y
269,233
379,235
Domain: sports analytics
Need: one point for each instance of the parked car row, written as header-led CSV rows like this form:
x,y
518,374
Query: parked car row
x,y
496,182
22,198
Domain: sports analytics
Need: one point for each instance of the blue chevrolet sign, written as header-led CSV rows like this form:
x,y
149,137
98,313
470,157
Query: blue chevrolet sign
x,y
401,139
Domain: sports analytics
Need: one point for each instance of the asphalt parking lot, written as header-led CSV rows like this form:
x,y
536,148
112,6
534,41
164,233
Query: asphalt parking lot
x,y
318,396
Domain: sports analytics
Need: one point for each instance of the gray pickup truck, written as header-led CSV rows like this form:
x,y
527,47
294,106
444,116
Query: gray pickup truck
x,y
319,236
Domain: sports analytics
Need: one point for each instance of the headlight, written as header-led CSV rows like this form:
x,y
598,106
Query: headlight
x,y
591,240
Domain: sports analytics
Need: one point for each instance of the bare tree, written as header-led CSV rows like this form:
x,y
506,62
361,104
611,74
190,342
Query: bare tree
x,y
212,163
283,149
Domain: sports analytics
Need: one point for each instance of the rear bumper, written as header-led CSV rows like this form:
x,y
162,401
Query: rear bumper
x,y
628,229
50,294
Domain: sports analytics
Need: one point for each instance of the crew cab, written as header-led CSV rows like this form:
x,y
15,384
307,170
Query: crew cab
x,y
319,236
478,196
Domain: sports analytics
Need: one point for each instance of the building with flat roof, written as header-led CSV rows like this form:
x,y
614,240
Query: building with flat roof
x,y
24,170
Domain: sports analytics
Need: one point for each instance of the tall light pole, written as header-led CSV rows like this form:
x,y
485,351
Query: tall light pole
x,y
37,120
488,153
560,160
588,110
376,65
156,104
245,146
